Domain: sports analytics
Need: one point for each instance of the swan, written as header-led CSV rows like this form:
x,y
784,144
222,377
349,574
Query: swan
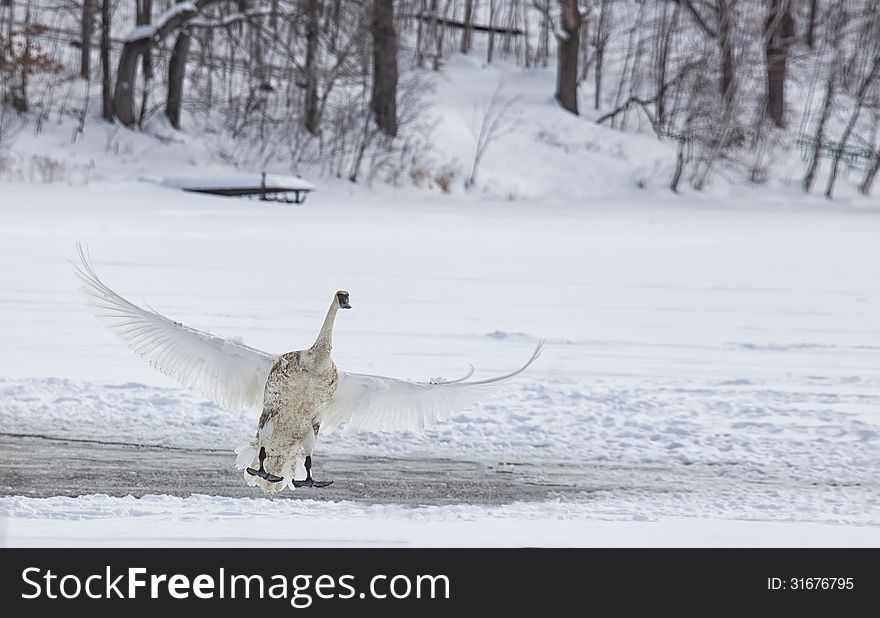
x,y
300,393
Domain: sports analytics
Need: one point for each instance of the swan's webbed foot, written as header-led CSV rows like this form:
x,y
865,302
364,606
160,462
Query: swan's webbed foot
x,y
266,476
309,481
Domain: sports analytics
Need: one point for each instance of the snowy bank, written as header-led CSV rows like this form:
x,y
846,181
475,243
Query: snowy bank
x,y
163,521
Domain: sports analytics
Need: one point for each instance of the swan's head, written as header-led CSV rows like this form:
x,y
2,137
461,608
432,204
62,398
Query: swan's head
x,y
342,299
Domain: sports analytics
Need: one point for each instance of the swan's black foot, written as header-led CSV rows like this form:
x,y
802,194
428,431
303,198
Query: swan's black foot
x,y
262,471
310,482
265,475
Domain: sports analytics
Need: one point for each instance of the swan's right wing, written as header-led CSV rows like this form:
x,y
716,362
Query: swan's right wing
x,y
229,373
376,403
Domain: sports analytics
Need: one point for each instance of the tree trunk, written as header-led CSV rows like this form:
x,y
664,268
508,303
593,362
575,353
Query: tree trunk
x,y
176,75
569,48
544,42
144,17
273,18
811,26
434,33
440,37
88,20
20,92
668,27
679,165
467,31
384,96
810,176
177,66
870,174
132,51
126,74
602,34
420,56
725,44
311,121
106,80
778,36
490,49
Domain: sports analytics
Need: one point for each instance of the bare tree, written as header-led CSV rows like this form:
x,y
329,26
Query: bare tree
x,y
568,44
666,27
440,24
144,12
10,125
868,81
176,74
86,25
543,51
23,64
681,159
384,96
778,37
467,31
106,79
818,140
136,46
144,16
873,166
492,123
490,48
311,119
811,23
719,26
600,43
870,174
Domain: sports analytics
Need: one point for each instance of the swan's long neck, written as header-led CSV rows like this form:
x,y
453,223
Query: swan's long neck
x,y
325,337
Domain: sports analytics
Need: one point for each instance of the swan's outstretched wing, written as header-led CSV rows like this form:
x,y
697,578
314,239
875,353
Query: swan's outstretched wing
x,y
377,403
227,372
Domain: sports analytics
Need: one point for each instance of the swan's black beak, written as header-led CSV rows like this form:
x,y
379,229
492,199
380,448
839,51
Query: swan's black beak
x,y
343,300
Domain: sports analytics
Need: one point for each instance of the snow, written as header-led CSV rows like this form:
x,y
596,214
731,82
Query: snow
x,y
232,18
237,181
162,521
137,33
148,31
730,353
713,359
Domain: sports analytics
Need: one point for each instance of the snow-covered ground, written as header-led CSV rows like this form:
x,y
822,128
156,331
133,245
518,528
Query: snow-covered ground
x,y
733,340
200,521
722,350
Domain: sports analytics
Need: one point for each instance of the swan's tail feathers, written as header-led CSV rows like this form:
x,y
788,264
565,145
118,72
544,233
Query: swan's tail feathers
x,y
286,468
246,454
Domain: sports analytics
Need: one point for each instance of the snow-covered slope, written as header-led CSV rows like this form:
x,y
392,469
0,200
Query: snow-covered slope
x,y
542,153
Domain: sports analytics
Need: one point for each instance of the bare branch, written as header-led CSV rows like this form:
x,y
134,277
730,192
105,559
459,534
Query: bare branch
x,y
688,4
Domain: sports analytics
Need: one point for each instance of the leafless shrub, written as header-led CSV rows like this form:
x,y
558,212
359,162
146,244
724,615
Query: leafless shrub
x,y
46,170
444,177
490,122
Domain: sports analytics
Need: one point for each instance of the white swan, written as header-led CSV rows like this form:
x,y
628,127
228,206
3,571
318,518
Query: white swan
x,y
299,392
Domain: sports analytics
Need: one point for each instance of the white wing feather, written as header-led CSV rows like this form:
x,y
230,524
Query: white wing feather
x,y
229,373
376,403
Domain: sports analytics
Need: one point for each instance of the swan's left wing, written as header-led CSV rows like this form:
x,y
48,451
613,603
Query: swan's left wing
x,y
376,403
